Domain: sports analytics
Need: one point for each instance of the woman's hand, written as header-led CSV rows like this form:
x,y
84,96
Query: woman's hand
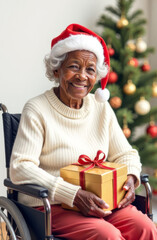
x,y
129,187
90,205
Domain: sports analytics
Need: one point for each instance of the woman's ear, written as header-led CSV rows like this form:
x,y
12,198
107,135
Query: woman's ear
x,y
55,72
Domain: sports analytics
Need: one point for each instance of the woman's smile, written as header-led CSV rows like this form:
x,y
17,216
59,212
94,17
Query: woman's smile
x,y
78,86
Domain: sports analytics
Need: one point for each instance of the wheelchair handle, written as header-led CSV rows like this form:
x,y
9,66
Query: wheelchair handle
x,y
144,178
3,108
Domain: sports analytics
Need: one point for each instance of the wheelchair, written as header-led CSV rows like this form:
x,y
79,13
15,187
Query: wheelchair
x,y
18,221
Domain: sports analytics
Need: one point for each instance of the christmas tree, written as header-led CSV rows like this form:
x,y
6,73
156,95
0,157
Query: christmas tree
x,y
131,82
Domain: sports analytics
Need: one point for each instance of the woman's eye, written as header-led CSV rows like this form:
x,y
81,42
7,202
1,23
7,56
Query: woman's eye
x,y
73,66
91,69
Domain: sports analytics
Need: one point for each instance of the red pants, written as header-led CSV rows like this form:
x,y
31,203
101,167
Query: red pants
x,y
126,223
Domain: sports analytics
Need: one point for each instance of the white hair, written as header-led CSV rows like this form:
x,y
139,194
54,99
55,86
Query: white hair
x,y
53,64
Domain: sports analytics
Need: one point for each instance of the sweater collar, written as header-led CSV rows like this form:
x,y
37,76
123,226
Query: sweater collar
x,y
65,110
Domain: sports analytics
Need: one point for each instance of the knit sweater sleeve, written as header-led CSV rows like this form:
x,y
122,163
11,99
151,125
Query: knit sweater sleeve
x,y
120,150
25,160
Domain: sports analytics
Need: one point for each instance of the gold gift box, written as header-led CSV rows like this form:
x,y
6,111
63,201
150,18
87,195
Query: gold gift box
x,y
98,180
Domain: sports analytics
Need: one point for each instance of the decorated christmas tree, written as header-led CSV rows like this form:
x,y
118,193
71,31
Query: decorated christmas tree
x,y
131,82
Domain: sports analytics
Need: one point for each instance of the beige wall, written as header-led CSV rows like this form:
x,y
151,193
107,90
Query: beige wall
x,y
26,28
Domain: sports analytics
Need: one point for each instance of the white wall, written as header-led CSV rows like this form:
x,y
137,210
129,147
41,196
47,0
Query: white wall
x,y
26,30
152,31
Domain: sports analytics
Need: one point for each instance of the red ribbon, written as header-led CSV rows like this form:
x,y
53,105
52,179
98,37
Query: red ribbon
x,y
85,160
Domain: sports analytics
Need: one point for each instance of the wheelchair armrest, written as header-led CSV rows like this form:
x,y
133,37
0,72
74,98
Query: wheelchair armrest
x,y
28,189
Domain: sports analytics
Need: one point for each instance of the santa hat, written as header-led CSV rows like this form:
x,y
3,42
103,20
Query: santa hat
x,y
76,37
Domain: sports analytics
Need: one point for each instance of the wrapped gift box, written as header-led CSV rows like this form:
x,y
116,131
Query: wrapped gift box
x,y
99,181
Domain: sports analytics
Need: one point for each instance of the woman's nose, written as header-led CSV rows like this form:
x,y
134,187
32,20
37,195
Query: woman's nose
x,y
82,75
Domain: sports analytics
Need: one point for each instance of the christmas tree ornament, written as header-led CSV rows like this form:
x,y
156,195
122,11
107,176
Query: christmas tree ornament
x,y
145,67
113,77
129,88
111,51
152,129
154,89
131,45
142,106
126,130
155,173
123,22
115,102
154,191
141,45
133,62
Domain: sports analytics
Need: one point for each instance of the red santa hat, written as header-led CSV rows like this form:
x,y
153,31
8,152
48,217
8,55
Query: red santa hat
x,y
77,37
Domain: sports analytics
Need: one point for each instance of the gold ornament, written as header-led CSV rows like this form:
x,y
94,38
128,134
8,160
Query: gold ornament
x,y
131,46
154,89
155,173
142,106
141,46
123,22
129,88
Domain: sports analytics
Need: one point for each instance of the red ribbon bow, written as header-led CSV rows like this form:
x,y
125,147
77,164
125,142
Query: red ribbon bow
x,y
85,160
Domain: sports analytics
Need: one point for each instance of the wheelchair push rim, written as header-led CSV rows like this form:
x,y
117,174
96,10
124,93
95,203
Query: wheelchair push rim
x,y
14,225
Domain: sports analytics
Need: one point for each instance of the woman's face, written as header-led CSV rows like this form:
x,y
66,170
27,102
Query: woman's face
x,y
77,75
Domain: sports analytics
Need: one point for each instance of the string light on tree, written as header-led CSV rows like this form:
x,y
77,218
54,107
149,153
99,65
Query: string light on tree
x,y
141,45
129,88
142,106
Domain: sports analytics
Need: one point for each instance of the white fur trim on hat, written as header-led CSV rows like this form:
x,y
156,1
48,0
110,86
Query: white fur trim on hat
x,y
79,42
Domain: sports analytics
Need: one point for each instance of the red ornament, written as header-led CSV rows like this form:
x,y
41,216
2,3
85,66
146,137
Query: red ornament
x,y
113,77
152,130
154,191
145,67
133,62
111,51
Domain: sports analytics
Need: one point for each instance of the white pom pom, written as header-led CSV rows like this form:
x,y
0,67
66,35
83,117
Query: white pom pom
x,y
102,95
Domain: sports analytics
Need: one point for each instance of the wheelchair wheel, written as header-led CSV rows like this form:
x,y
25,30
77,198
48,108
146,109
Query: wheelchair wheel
x,y
12,223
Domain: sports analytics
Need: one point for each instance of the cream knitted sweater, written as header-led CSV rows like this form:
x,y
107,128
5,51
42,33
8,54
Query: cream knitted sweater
x,y
52,135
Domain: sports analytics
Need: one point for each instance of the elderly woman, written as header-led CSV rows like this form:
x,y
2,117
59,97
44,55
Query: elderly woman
x,y
66,121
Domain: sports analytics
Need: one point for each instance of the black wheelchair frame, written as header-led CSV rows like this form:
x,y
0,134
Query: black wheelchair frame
x,y
23,222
